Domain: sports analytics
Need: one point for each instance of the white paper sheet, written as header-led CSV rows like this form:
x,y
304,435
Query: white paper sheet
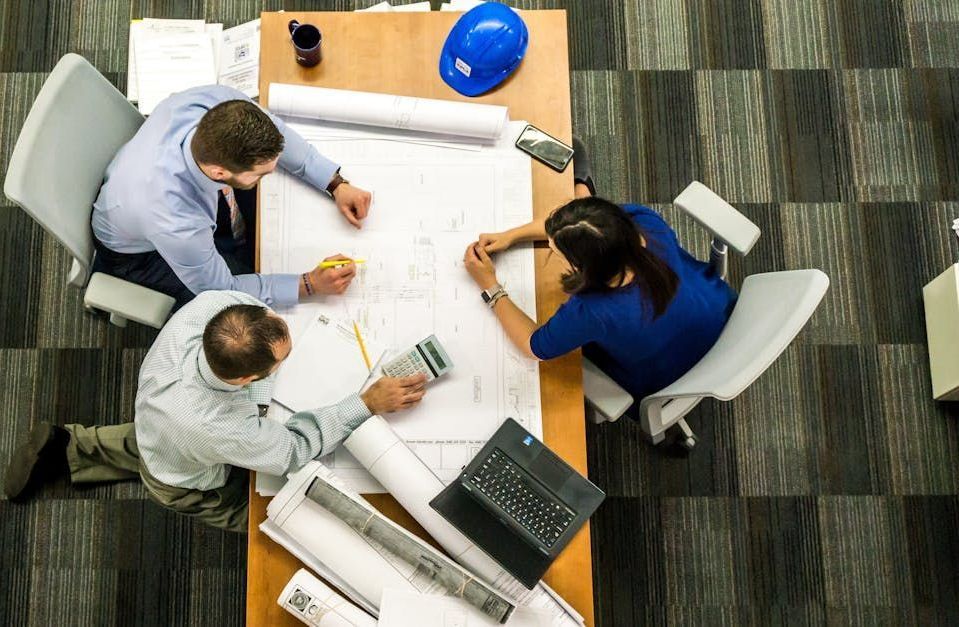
x,y
325,365
442,117
414,7
239,63
400,608
430,203
379,449
152,26
167,64
313,602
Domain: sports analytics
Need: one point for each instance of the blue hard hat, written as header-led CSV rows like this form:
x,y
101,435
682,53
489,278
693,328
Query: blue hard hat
x,y
486,44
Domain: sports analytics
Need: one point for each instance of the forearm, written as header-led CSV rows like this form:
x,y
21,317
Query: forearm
x,y
263,445
519,327
530,232
324,428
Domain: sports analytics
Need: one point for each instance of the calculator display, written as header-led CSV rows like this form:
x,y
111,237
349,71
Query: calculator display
x,y
435,354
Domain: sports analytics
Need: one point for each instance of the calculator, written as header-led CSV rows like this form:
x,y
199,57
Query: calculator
x,y
427,357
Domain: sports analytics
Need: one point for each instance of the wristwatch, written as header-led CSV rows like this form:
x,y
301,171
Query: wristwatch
x,y
336,182
493,294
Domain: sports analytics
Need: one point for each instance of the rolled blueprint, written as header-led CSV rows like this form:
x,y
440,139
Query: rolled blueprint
x,y
442,117
316,604
363,572
391,462
429,563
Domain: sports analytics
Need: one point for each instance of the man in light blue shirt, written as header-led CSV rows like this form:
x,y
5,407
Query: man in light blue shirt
x,y
174,213
198,426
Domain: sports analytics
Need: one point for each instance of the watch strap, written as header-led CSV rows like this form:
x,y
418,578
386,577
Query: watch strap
x,y
493,294
335,182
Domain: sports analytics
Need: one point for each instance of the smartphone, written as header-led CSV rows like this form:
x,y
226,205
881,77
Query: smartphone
x,y
544,148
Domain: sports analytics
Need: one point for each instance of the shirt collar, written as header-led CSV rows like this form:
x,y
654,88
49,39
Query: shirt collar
x,y
204,182
206,373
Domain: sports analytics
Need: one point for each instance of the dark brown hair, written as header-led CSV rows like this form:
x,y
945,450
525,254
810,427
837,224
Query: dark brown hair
x,y
239,340
601,243
236,135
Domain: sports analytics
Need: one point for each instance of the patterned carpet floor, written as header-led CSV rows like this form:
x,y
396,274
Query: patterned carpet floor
x,y
826,493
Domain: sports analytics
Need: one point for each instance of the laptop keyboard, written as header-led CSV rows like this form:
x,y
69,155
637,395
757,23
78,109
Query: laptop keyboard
x,y
508,486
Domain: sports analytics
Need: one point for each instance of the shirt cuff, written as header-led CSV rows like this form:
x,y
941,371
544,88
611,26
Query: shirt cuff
x,y
320,172
353,412
286,288
262,391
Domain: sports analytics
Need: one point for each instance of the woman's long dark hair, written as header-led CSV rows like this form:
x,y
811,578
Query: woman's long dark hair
x,y
601,243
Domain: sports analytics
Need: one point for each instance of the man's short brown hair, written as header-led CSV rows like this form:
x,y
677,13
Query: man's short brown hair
x,y
239,341
236,135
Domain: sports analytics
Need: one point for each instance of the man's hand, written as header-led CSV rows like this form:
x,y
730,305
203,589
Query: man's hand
x,y
480,266
353,202
390,394
333,280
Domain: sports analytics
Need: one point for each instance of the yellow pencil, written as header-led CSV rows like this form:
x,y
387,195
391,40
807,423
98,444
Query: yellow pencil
x,y
340,262
359,338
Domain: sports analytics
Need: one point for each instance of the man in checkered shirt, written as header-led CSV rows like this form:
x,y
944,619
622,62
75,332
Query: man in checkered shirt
x,y
200,417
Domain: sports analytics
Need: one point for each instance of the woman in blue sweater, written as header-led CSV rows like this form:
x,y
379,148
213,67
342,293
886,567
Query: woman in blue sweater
x,y
641,307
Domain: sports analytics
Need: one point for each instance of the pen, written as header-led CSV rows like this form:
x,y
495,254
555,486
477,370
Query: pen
x,y
359,338
335,263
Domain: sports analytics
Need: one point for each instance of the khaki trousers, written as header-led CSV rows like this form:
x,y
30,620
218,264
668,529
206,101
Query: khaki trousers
x,y
110,453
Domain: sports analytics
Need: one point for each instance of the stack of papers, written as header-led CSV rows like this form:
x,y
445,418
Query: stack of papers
x,y
168,56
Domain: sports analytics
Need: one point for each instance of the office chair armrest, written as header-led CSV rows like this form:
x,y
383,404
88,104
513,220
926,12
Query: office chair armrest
x,y
718,217
127,301
604,394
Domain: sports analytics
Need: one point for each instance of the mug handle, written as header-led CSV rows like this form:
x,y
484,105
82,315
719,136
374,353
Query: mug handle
x,y
293,25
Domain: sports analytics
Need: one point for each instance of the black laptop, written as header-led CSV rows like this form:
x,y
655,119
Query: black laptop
x,y
519,502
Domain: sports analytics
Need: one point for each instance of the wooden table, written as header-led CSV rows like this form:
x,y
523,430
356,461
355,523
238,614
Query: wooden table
x,y
399,53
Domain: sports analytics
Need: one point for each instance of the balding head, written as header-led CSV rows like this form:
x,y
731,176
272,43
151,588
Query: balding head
x,y
245,341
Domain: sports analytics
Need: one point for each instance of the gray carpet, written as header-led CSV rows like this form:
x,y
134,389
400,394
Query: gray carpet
x,y
824,494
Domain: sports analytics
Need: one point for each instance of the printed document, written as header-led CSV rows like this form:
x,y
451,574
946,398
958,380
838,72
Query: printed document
x,y
172,63
239,65
235,58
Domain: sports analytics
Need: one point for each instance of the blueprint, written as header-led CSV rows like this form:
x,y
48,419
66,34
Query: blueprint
x,y
430,201
390,111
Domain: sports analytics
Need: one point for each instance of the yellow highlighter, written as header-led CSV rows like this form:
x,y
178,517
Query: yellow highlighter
x,y
359,339
336,263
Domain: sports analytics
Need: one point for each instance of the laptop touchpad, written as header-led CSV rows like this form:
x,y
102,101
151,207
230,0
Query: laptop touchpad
x,y
550,470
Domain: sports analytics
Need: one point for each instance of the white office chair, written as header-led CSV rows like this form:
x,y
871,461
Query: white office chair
x,y
771,310
76,125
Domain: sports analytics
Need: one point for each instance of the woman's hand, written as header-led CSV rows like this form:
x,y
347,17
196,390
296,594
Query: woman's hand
x,y
480,266
496,242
